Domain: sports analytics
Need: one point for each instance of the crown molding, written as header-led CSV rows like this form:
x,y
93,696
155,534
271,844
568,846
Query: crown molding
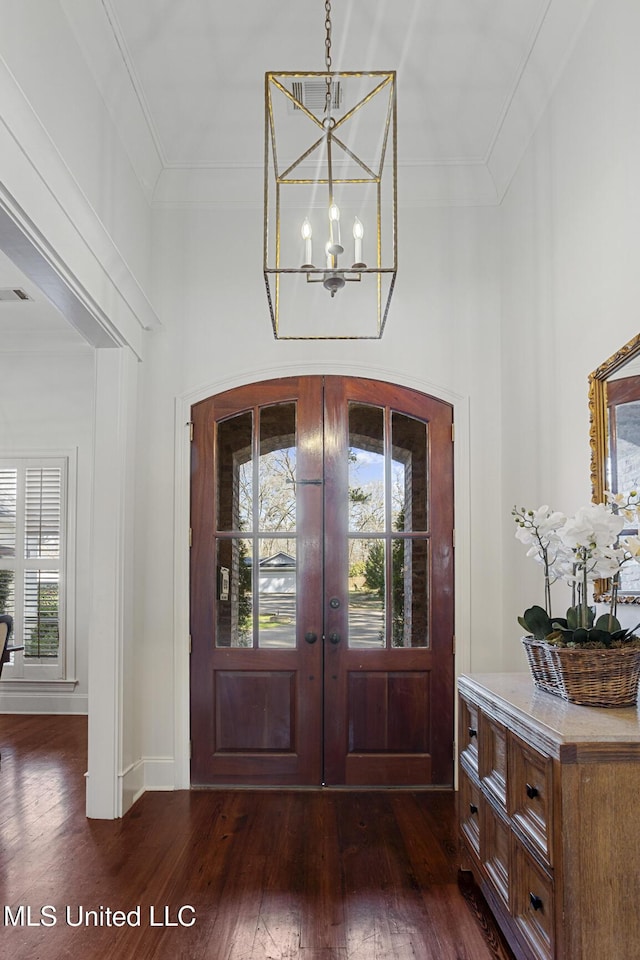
x,y
419,185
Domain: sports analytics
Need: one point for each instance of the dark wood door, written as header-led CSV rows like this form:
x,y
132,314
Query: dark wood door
x,y
322,585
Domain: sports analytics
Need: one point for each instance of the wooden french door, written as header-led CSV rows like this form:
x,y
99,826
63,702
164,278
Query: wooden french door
x,y
322,585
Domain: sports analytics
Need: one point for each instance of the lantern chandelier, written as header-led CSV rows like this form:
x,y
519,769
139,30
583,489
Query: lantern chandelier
x,y
330,160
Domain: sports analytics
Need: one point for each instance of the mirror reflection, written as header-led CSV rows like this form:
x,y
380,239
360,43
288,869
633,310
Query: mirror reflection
x,y
614,400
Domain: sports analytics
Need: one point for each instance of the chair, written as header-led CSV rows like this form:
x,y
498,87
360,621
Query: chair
x,y
6,626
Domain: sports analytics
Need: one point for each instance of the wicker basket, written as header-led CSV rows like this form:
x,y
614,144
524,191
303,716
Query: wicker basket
x,y
594,678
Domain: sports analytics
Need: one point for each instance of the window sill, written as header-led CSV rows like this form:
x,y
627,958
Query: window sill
x,y
28,685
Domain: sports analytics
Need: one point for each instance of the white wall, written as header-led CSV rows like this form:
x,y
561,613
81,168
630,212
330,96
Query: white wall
x,y
570,279
442,337
55,417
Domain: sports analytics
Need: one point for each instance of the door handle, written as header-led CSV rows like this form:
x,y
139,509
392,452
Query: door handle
x,y
334,638
311,637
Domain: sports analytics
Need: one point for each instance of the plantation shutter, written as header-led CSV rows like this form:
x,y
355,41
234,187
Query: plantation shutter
x,y
8,503
8,518
32,511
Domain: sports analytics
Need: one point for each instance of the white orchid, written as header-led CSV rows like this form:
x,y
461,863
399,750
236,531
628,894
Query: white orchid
x,y
592,528
580,549
631,545
625,504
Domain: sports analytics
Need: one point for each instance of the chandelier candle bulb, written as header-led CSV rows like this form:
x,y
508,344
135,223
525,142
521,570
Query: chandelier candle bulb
x,y
334,225
358,234
306,236
330,262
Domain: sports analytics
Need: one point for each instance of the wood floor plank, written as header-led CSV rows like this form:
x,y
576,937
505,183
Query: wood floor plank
x,y
270,875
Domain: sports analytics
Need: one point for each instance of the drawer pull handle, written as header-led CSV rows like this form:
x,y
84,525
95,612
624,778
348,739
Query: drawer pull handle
x,y
532,791
473,732
473,808
535,901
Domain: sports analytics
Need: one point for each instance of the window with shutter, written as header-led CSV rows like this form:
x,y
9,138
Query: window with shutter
x,y
32,563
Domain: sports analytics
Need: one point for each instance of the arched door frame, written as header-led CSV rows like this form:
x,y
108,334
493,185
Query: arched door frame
x,y
460,404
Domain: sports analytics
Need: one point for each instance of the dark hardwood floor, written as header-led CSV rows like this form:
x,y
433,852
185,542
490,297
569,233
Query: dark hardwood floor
x,y
272,875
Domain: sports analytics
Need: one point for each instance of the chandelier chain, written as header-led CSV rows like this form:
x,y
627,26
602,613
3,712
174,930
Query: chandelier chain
x,y
327,42
327,56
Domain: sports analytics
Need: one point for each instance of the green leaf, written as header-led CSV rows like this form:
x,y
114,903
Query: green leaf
x,y
607,623
573,618
536,621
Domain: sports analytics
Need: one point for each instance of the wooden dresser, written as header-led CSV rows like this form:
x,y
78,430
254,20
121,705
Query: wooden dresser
x,y
549,814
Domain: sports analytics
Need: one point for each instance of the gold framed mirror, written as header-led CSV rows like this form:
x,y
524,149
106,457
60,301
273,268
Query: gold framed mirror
x,y
614,408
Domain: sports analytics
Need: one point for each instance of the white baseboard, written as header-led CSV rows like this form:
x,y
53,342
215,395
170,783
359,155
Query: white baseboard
x,y
159,773
43,701
148,773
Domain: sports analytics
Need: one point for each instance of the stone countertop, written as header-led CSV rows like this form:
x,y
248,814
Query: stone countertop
x,y
569,731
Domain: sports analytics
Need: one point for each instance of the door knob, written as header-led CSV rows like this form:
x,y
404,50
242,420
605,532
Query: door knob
x,y
334,638
311,637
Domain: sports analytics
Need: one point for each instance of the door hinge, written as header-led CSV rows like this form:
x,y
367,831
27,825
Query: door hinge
x,y
190,536
453,538
190,644
453,644
190,425
453,432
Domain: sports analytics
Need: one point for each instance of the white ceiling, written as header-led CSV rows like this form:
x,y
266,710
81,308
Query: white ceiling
x,y
184,82
33,324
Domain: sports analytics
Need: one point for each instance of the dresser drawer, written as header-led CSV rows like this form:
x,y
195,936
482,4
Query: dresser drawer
x,y
495,845
493,759
469,811
468,733
531,796
532,904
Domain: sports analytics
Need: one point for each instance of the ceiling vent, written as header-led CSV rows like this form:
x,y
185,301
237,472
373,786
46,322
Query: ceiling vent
x,y
11,294
313,94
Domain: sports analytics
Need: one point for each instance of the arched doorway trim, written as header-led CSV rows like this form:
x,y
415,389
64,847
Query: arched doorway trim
x,y
159,777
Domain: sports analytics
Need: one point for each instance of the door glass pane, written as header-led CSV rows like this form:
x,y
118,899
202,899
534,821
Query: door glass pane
x,y
8,493
366,468
410,600
277,593
233,586
409,445
367,595
277,491
235,473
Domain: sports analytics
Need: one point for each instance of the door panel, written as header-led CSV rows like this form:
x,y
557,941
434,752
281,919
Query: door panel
x,y
322,571
388,704
255,681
